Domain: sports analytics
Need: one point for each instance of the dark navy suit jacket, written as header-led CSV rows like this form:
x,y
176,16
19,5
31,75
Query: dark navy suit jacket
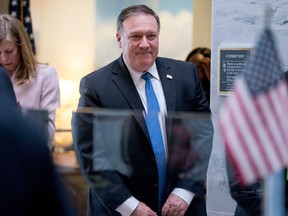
x,y
112,87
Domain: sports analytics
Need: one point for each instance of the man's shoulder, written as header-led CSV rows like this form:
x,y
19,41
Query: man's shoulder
x,y
166,59
182,67
103,70
171,61
3,74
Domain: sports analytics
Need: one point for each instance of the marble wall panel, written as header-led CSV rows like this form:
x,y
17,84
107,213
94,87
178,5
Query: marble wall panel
x,y
237,24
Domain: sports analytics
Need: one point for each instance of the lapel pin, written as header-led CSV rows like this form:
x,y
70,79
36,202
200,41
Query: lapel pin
x,y
169,77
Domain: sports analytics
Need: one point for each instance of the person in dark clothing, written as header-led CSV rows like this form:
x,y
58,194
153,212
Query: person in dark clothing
x,y
201,57
30,185
6,88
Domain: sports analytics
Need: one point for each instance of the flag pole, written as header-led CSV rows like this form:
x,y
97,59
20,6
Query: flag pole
x,y
268,15
274,187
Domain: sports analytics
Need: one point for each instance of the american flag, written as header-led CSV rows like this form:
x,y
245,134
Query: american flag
x,y
253,121
21,10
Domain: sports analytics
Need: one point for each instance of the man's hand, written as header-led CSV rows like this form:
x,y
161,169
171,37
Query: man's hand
x,y
143,210
174,206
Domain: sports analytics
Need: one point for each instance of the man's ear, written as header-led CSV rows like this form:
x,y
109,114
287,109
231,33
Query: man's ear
x,y
118,38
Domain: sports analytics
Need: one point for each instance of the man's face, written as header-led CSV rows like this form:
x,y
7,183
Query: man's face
x,y
139,40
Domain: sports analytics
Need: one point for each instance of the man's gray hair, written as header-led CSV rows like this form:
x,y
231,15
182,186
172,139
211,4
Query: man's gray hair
x,y
135,9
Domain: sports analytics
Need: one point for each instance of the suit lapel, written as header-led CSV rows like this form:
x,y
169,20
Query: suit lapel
x,y
168,83
166,76
122,79
124,82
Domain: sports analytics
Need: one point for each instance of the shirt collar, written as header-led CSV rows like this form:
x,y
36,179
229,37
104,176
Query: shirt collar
x,y
136,75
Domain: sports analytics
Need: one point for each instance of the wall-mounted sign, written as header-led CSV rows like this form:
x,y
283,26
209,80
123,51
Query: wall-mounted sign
x,y
232,62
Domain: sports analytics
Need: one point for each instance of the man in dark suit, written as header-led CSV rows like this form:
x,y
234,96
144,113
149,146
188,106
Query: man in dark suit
x,y
119,86
29,182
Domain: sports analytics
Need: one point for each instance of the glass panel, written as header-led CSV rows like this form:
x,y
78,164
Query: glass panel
x,y
38,117
120,159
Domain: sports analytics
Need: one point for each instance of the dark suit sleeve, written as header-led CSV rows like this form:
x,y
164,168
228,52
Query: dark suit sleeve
x,y
105,185
191,99
6,88
194,136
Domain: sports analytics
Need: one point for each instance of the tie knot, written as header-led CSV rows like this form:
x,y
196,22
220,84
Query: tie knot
x,y
146,76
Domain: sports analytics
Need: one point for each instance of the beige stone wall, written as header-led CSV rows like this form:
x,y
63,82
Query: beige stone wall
x,y
202,12
4,6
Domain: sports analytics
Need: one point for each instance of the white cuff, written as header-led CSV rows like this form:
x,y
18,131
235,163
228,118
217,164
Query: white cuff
x,y
127,208
186,195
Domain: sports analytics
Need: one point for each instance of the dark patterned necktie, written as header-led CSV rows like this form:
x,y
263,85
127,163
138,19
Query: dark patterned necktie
x,y
153,125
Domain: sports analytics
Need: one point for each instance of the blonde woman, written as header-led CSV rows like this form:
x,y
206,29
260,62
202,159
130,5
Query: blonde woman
x,y
36,85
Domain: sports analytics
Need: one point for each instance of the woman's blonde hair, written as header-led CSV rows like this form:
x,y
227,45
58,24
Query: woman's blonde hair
x,y
13,30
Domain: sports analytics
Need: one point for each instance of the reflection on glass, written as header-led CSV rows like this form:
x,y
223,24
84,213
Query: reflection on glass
x,y
120,161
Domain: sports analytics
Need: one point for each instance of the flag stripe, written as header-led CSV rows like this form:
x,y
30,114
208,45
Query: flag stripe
x,y
236,152
282,113
269,114
262,102
236,117
249,119
279,133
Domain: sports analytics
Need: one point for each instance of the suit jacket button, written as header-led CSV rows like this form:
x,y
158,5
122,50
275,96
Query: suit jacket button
x,y
155,185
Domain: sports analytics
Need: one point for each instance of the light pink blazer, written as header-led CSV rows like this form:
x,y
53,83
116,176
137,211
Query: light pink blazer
x,y
42,93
